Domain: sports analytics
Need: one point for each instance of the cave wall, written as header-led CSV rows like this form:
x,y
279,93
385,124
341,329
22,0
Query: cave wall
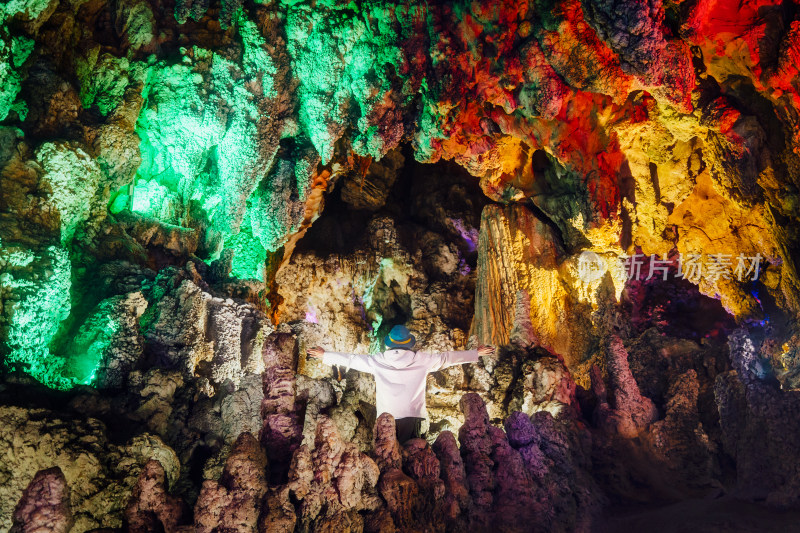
x,y
152,132
192,192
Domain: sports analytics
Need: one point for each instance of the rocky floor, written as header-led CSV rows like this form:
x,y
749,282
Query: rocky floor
x,y
285,446
708,515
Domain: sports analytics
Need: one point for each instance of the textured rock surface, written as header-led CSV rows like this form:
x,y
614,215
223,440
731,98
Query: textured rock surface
x,y
234,502
100,475
756,428
680,438
535,475
152,133
194,192
44,505
151,508
356,273
548,469
629,412
333,482
283,429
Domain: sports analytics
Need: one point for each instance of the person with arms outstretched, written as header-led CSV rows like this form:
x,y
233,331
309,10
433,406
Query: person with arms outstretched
x,y
400,375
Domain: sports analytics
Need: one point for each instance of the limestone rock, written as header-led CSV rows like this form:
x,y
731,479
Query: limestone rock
x,y
528,265
282,431
38,439
387,450
402,498
627,412
754,410
680,437
536,475
332,481
371,189
109,341
477,447
234,502
546,385
218,338
279,514
177,179
151,506
456,497
421,463
44,505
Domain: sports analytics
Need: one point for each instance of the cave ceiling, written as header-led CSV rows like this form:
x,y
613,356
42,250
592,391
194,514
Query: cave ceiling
x,y
155,133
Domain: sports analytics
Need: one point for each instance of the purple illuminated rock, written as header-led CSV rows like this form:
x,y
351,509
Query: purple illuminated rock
x,y
44,506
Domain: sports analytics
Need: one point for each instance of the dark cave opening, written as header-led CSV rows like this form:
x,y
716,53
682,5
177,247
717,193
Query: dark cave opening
x,y
415,199
432,211
676,307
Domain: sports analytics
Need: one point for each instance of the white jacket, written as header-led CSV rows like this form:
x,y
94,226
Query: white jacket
x,y
400,375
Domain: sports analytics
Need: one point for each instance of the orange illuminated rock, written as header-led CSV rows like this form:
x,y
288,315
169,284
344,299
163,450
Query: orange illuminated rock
x,y
520,256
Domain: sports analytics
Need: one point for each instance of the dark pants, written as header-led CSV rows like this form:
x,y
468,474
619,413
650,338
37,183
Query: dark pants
x,y
408,428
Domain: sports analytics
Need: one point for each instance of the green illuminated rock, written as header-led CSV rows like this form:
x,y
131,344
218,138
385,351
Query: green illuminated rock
x,y
13,53
15,49
186,9
342,57
200,155
36,289
104,80
73,177
37,280
27,10
137,21
210,131
155,200
248,254
108,344
256,62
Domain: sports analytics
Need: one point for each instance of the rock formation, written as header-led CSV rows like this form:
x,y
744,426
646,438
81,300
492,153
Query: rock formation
x,y
151,507
44,505
194,192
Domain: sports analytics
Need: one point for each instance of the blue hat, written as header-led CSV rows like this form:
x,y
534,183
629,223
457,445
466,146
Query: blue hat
x,y
399,337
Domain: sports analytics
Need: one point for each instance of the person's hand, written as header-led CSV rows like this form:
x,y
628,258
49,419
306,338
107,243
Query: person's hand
x,y
485,350
316,352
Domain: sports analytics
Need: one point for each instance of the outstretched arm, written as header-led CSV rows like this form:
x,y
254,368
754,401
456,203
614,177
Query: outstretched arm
x,y
446,359
349,360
